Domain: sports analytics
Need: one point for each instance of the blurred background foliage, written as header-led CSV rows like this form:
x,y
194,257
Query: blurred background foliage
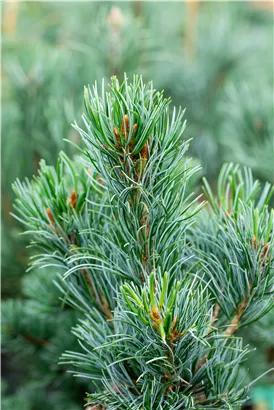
x,y
214,58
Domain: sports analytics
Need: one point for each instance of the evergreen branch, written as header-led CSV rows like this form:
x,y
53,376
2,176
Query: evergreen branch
x,y
151,269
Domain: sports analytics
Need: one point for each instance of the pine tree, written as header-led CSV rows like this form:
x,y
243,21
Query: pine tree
x,y
161,280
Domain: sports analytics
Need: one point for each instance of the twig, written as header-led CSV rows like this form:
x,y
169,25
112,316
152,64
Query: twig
x,y
234,324
231,328
103,304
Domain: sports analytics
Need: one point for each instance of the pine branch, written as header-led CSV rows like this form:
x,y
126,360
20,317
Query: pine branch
x,y
139,252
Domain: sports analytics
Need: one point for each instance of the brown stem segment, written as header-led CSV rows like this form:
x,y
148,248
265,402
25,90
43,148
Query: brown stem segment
x,y
89,283
105,307
102,304
201,363
215,316
234,324
231,328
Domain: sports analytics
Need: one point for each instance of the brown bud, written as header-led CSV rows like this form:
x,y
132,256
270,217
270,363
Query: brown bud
x,y
144,151
49,214
175,334
155,315
134,128
73,199
117,135
173,323
125,126
265,253
266,249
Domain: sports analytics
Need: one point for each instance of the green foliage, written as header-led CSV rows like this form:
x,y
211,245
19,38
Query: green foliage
x,y
237,244
166,370
160,281
216,63
38,326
